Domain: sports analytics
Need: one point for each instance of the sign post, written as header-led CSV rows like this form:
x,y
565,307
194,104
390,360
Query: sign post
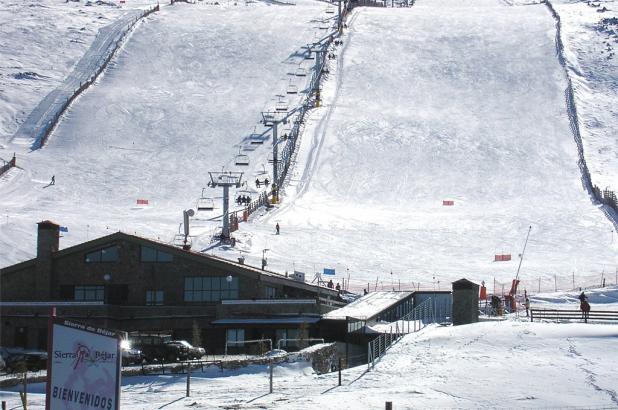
x,y
83,366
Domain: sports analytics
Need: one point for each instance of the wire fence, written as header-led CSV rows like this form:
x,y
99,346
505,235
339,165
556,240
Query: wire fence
x,y
45,117
606,197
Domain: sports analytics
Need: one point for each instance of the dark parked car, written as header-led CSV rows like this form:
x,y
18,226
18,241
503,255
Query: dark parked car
x,y
155,348
189,351
131,356
24,361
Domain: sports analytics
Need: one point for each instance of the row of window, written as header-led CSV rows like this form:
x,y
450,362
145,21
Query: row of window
x,y
236,337
197,289
110,254
211,289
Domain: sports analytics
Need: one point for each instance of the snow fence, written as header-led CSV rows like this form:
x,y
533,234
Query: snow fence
x,y
38,126
607,197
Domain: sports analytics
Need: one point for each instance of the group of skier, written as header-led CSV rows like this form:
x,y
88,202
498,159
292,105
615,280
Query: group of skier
x,y
259,183
243,200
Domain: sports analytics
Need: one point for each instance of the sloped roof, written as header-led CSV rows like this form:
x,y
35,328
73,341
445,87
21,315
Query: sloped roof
x,y
368,306
212,260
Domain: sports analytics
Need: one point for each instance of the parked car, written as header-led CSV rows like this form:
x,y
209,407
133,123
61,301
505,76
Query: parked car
x,y
25,361
154,347
131,356
189,351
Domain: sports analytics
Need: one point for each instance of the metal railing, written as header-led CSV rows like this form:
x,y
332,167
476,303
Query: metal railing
x,y
417,319
244,342
569,315
321,340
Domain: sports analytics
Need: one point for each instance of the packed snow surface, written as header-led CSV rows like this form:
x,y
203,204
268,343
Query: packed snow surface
x,y
457,100
487,365
590,37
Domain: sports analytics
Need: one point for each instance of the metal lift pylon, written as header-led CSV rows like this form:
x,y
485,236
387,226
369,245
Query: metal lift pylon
x,y
225,179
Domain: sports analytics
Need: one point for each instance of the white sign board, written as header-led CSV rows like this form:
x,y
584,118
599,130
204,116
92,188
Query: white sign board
x,y
84,368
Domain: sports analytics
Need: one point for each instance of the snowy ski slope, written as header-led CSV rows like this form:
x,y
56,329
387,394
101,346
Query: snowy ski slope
x,y
455,100
448,100
179,101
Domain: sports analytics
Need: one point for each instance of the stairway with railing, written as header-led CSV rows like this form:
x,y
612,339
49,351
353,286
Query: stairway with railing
x,y
421,316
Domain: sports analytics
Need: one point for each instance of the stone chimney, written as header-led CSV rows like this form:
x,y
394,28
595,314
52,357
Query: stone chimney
x,y
48,240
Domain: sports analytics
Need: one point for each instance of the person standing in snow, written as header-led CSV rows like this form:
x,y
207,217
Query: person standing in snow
x,y
527,305
584,306
53,180
277,228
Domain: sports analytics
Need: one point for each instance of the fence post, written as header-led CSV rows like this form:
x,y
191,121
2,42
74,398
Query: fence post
x,y
3,405
189,379
271,376
340,371
388,405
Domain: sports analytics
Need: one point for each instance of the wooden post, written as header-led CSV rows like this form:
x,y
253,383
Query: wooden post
x,y
189,380
24,395
3,405
340,371
271,376
388,405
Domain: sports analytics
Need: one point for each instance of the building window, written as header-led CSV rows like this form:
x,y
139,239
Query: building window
x,y
210,289
154,297
109,254
154,255
90,293
285,335
235,336
270,292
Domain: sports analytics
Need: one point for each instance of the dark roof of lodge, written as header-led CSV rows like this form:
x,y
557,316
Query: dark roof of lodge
x,y
273,277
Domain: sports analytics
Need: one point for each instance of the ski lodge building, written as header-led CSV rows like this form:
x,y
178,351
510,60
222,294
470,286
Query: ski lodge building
x,y
130,283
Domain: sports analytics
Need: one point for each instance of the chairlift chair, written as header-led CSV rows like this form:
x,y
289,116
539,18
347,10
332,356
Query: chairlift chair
x,y
256,139
205,203
179,239
241,159
300,72
292,89
281,106
330,10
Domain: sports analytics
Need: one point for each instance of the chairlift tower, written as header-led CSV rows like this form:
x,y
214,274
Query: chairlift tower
x,y
276,119
225,180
